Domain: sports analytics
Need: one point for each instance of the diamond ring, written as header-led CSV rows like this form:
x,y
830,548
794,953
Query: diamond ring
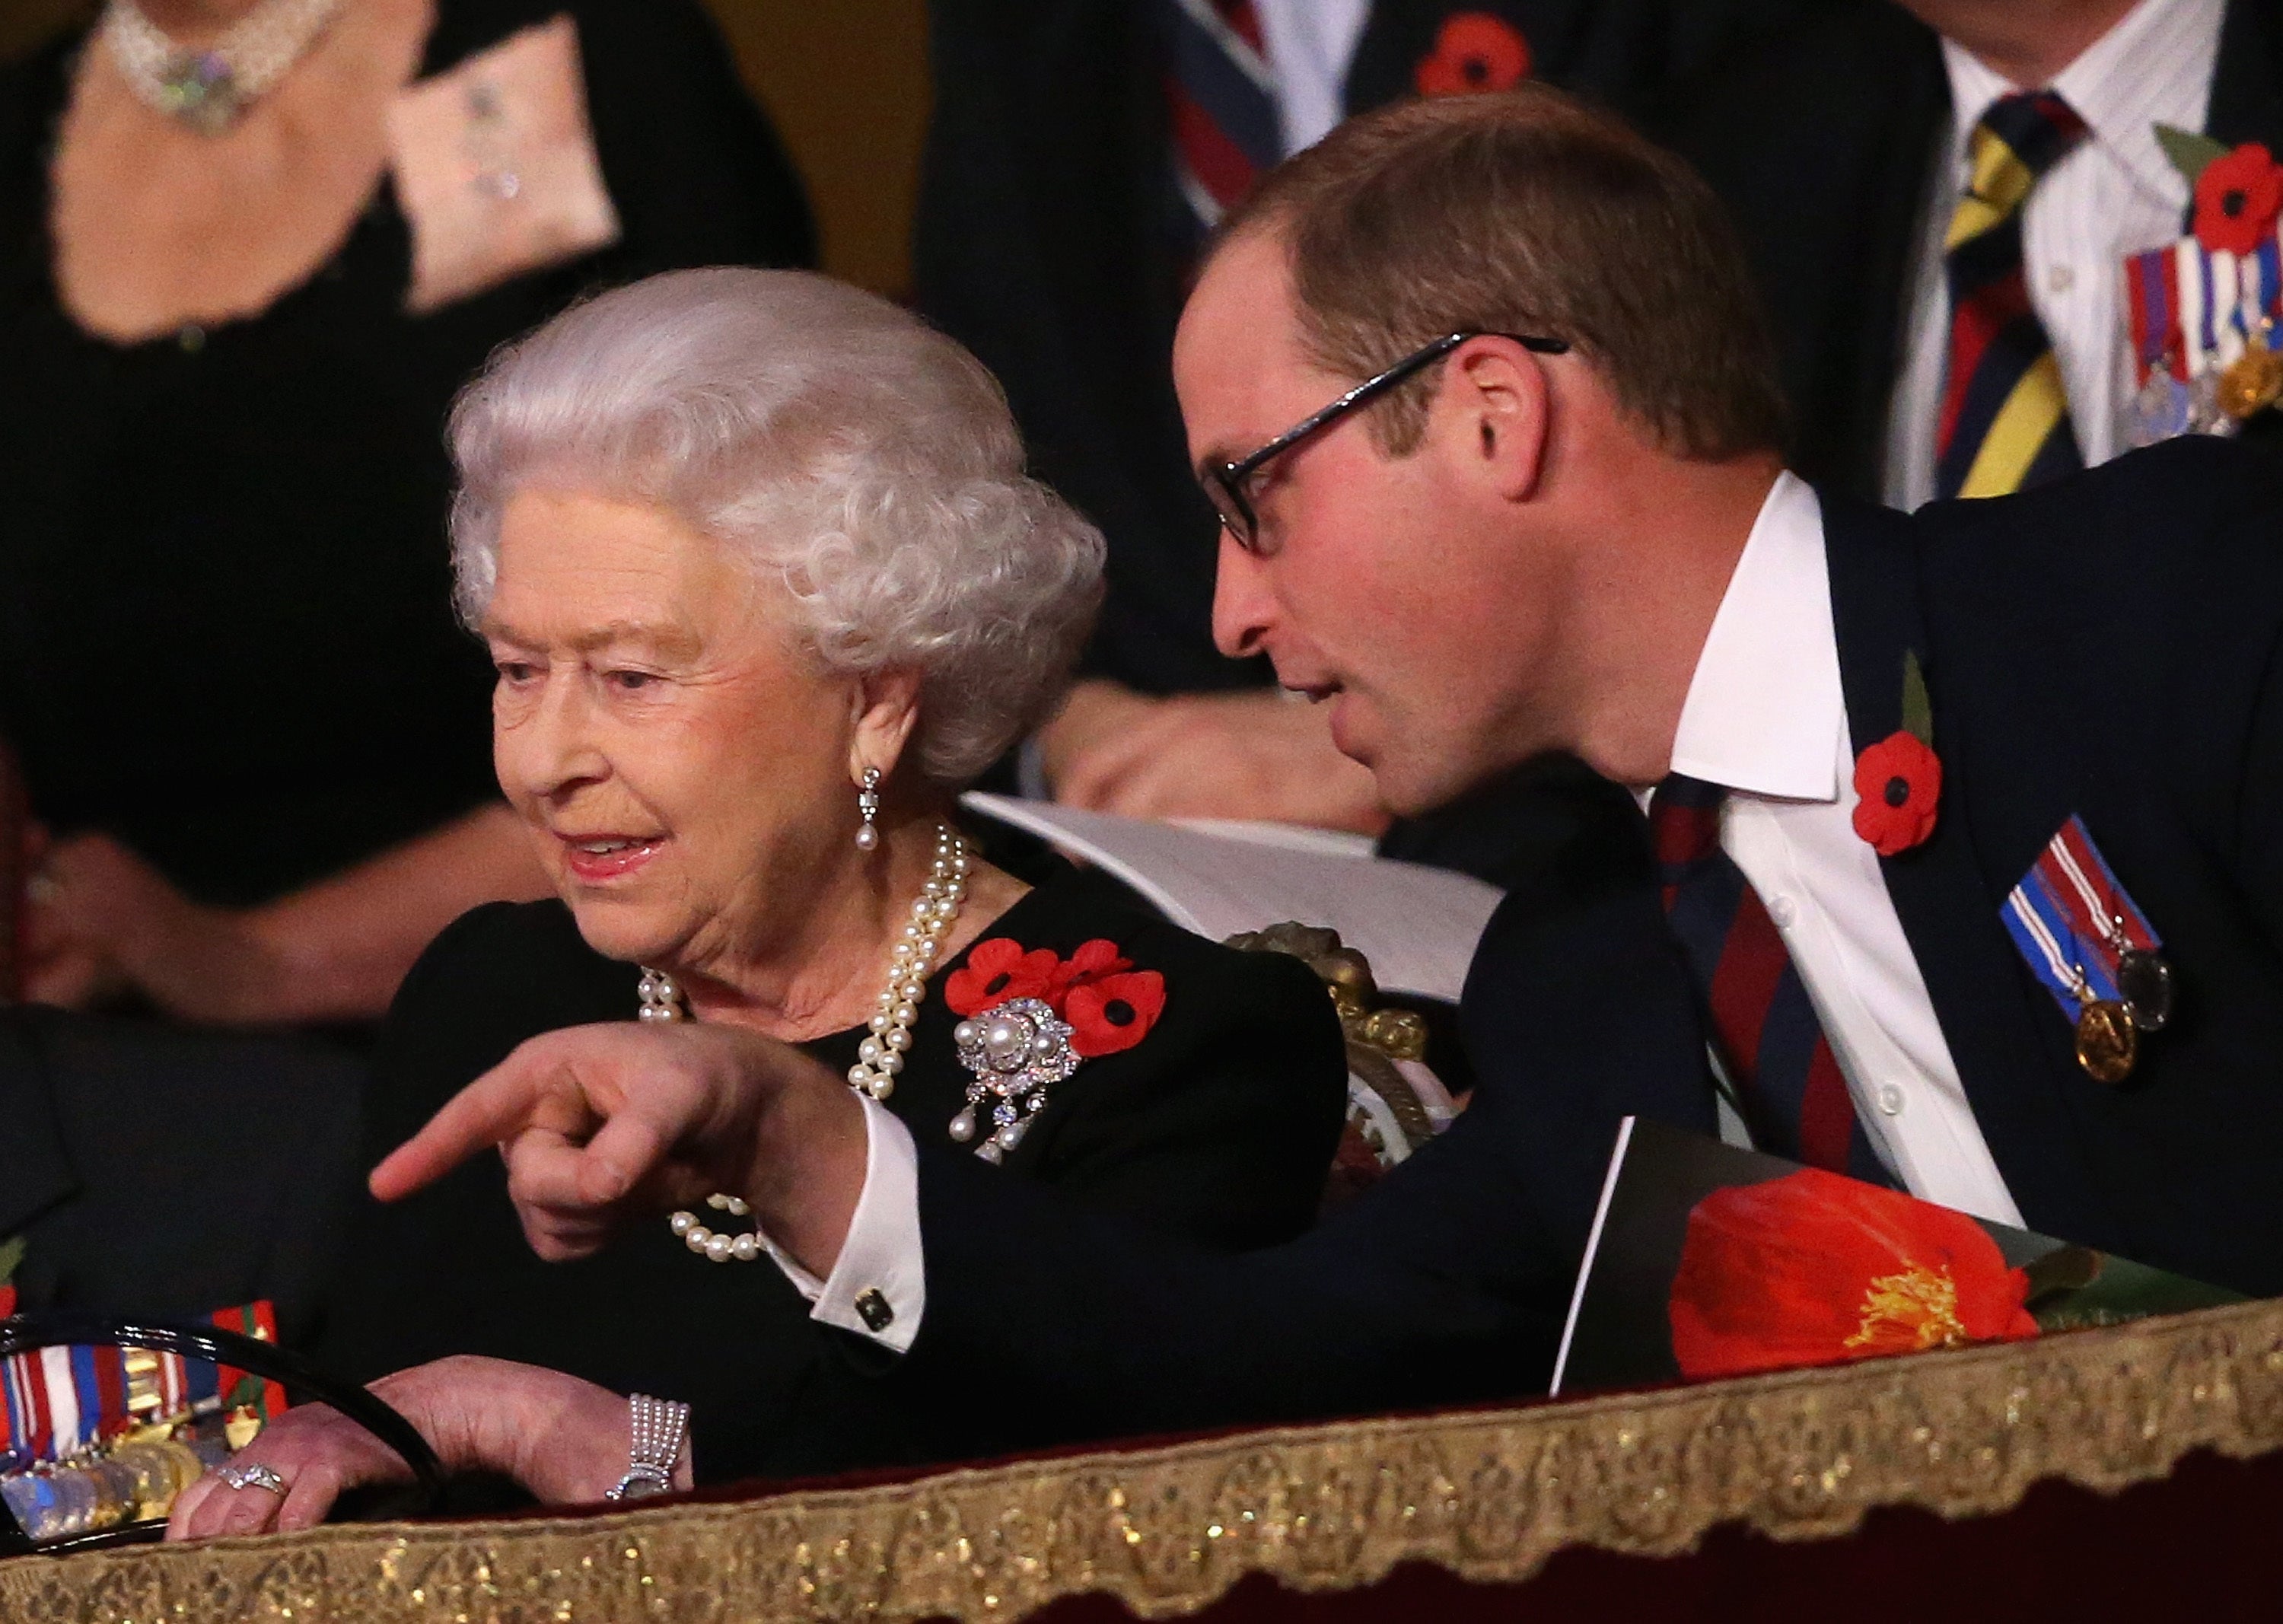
x,y
256,1476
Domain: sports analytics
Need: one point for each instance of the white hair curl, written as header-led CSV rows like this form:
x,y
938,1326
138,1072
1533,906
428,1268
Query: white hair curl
x,y
847,451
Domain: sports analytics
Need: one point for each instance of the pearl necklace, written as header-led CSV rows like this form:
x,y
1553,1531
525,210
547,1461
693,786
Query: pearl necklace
x,y
209,89
879,1057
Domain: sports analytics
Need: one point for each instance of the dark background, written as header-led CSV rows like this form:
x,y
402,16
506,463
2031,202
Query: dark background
x,y
846,81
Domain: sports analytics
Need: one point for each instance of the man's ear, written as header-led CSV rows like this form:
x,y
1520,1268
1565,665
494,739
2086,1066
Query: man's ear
x,y
885,708
1497,409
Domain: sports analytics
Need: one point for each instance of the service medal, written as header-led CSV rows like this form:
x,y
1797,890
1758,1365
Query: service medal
x,y
2251,383
2145,981
2204,414
2088,943
2163,410
2106,1046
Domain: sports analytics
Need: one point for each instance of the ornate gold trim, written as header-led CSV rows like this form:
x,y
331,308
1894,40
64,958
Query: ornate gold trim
x,y
1489,1495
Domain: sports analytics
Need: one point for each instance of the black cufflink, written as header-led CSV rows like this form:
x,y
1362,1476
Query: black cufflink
x,y
872,1308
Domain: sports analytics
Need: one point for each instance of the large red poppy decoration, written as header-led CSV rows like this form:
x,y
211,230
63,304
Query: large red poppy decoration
x,y
1474,50
2238,196
1814,1268
1109,1006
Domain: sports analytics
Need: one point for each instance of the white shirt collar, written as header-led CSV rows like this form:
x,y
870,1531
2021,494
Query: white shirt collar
x,y
1311,45
2154,67
1766,704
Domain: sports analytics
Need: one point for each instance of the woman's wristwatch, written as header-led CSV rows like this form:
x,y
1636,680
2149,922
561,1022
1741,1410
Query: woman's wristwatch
x,y
657,1425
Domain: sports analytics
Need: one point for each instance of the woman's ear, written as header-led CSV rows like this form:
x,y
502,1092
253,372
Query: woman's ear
x,y
885,708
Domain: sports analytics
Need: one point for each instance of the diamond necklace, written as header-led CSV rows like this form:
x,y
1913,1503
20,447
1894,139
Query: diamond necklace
x,y
208,90
879,1057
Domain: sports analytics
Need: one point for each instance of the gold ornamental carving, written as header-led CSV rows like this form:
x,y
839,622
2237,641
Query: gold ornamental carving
x,y
1489,1495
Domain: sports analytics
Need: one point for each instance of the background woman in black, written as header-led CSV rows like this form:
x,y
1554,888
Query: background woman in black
x,y
764,584
246,718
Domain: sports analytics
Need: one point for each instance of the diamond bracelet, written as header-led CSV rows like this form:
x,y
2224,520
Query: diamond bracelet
x,y
657,1425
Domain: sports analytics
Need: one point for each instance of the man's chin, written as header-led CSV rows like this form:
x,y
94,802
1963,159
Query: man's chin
x,y
1411,785
1411,776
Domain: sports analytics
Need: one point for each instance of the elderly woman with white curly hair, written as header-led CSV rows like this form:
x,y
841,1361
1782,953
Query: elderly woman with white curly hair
x,y
765,584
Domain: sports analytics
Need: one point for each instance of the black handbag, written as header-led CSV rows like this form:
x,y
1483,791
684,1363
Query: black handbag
x,y
68,1328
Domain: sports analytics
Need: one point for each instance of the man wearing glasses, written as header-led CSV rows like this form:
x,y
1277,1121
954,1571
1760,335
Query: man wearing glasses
x,y
1544,510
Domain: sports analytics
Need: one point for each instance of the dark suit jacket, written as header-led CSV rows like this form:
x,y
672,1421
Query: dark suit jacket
x,y
2108,647
157,1171
1041,245
1823,139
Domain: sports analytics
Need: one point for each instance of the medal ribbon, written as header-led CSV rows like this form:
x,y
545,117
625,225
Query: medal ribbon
x,y
2200,309
54,1402
2063,918
2263,274
2152,281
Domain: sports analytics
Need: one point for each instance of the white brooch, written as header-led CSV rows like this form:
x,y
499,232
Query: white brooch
x,y
1017,1050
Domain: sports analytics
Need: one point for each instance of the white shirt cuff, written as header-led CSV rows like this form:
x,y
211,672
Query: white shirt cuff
x,y
878,1285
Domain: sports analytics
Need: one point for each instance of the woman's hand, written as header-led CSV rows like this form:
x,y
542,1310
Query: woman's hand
x,y
1234,756
101,920
605,1124
565,1439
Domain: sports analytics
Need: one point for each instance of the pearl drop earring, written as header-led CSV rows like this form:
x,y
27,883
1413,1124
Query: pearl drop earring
x,y
868,803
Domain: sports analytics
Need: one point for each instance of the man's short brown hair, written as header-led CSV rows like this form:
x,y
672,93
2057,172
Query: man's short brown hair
x,y
1526,212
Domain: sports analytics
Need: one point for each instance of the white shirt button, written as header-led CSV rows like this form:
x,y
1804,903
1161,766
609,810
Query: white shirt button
x,y
1891,1099
1783,910
2060,278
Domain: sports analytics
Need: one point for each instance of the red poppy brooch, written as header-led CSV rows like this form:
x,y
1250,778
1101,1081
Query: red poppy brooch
x,y
1474,52
1028,1017
1898,780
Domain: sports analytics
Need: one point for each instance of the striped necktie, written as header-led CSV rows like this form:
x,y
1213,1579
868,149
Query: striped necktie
x,y
1222,99
1785,1080
2005,423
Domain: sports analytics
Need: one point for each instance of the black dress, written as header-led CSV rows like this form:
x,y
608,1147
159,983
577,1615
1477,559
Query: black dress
x,y
225,633
1217,1128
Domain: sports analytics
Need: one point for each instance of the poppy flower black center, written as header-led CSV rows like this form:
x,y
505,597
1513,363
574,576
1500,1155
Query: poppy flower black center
x,y
1476,70
1898,791
1118,1013
998,984
2232,203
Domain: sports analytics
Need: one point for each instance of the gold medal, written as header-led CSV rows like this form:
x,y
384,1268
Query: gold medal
x,y
2252,382
2105,1044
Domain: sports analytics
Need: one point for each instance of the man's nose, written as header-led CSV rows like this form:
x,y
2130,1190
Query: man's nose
x,y
1244,608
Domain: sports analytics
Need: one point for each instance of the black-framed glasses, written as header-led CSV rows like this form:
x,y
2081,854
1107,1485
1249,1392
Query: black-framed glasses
x,y
1224,483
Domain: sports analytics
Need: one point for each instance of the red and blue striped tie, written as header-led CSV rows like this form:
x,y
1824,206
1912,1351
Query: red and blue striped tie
x,y
2005,423
1222,99
1771,1046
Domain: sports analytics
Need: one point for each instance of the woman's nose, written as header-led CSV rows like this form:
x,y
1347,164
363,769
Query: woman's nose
x,y
547,745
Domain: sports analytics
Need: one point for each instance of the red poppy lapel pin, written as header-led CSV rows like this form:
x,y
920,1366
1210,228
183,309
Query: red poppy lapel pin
x,y
1898,780
2238,190
1474,52
1028,1017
